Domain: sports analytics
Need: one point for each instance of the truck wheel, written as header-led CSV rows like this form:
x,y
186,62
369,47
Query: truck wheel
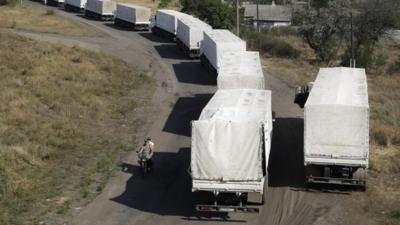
x,y
361,176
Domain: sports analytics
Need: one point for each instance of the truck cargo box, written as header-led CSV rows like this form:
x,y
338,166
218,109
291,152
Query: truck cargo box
x,y
133,13
241,69
167,20
190,32
218,42
78,4
101,7
336,118
231,142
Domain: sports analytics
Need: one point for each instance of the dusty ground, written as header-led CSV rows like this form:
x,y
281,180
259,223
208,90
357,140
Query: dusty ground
x,y
41,20
165,197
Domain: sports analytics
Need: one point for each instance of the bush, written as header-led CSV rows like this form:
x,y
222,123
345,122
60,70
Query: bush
x,y
8,2
164,3
49,12
270,45
394,67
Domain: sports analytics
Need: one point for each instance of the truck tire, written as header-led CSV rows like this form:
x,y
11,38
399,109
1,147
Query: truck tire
x,y
360,175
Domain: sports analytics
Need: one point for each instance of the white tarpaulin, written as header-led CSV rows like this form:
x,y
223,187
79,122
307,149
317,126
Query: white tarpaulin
x,y
336,117
217,42
167,19
190,31
231,136
241,69
101,7
133,13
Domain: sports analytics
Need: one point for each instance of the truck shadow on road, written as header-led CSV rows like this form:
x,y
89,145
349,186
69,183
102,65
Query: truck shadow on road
x,y
170,51
153,38
184,111
166,190
192,72
286,166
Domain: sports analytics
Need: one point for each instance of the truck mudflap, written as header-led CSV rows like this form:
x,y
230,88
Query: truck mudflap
x,y
227,208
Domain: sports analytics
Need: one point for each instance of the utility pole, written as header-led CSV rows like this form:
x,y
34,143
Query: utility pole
x,y
352,60
258,17
237,18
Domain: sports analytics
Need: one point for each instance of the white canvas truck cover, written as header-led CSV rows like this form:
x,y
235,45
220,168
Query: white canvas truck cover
x,y
336,118
241,69
167,19
101,7
191,31
77,3
218,42
230,135
133,13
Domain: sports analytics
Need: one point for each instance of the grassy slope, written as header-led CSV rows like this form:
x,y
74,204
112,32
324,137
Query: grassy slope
x,y
65,117
30,19
382,199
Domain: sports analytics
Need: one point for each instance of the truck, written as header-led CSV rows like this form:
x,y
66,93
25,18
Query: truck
x,y
132,16
241,69
336,128
215,44
75,5
189,35
100,9
166,23
230,148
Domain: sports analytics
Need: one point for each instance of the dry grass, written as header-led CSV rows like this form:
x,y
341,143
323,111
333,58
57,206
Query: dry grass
x,y
381,203
30,19
66,115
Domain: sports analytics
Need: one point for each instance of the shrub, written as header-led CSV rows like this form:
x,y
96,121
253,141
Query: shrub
x,y
49,12
271,45
164,3
8,2
394,67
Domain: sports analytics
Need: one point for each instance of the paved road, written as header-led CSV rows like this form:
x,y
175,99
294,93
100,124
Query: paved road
x,y
183,89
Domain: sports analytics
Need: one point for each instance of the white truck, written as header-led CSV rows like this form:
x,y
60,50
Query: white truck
x,y
75,5
100,9
241,69
336,128
132,16
230,150
215,44
166,23
190,34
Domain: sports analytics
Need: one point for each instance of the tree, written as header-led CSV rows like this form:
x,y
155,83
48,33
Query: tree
x,y
324,29
214,12
372,21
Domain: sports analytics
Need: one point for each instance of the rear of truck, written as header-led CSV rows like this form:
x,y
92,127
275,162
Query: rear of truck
x,y
336,128
230,151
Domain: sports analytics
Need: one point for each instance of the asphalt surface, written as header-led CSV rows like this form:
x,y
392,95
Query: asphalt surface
x,y
183,89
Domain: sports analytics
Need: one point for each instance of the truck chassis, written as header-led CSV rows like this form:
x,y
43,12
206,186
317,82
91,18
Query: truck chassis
x,y
130,25
72,8
336,175
192,53
206,64
98,16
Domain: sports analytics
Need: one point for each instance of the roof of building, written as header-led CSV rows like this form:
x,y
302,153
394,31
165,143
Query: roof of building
x,y
269,12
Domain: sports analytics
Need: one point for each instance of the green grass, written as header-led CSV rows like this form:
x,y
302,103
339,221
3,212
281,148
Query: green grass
x,y
66,116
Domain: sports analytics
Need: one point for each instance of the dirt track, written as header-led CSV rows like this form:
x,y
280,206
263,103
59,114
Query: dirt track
x,y
183,89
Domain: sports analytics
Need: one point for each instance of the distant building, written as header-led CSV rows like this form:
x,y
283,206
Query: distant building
x,y
268,16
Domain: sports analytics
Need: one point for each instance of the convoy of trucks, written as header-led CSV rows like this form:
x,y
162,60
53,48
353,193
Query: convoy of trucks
x,y
231,140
